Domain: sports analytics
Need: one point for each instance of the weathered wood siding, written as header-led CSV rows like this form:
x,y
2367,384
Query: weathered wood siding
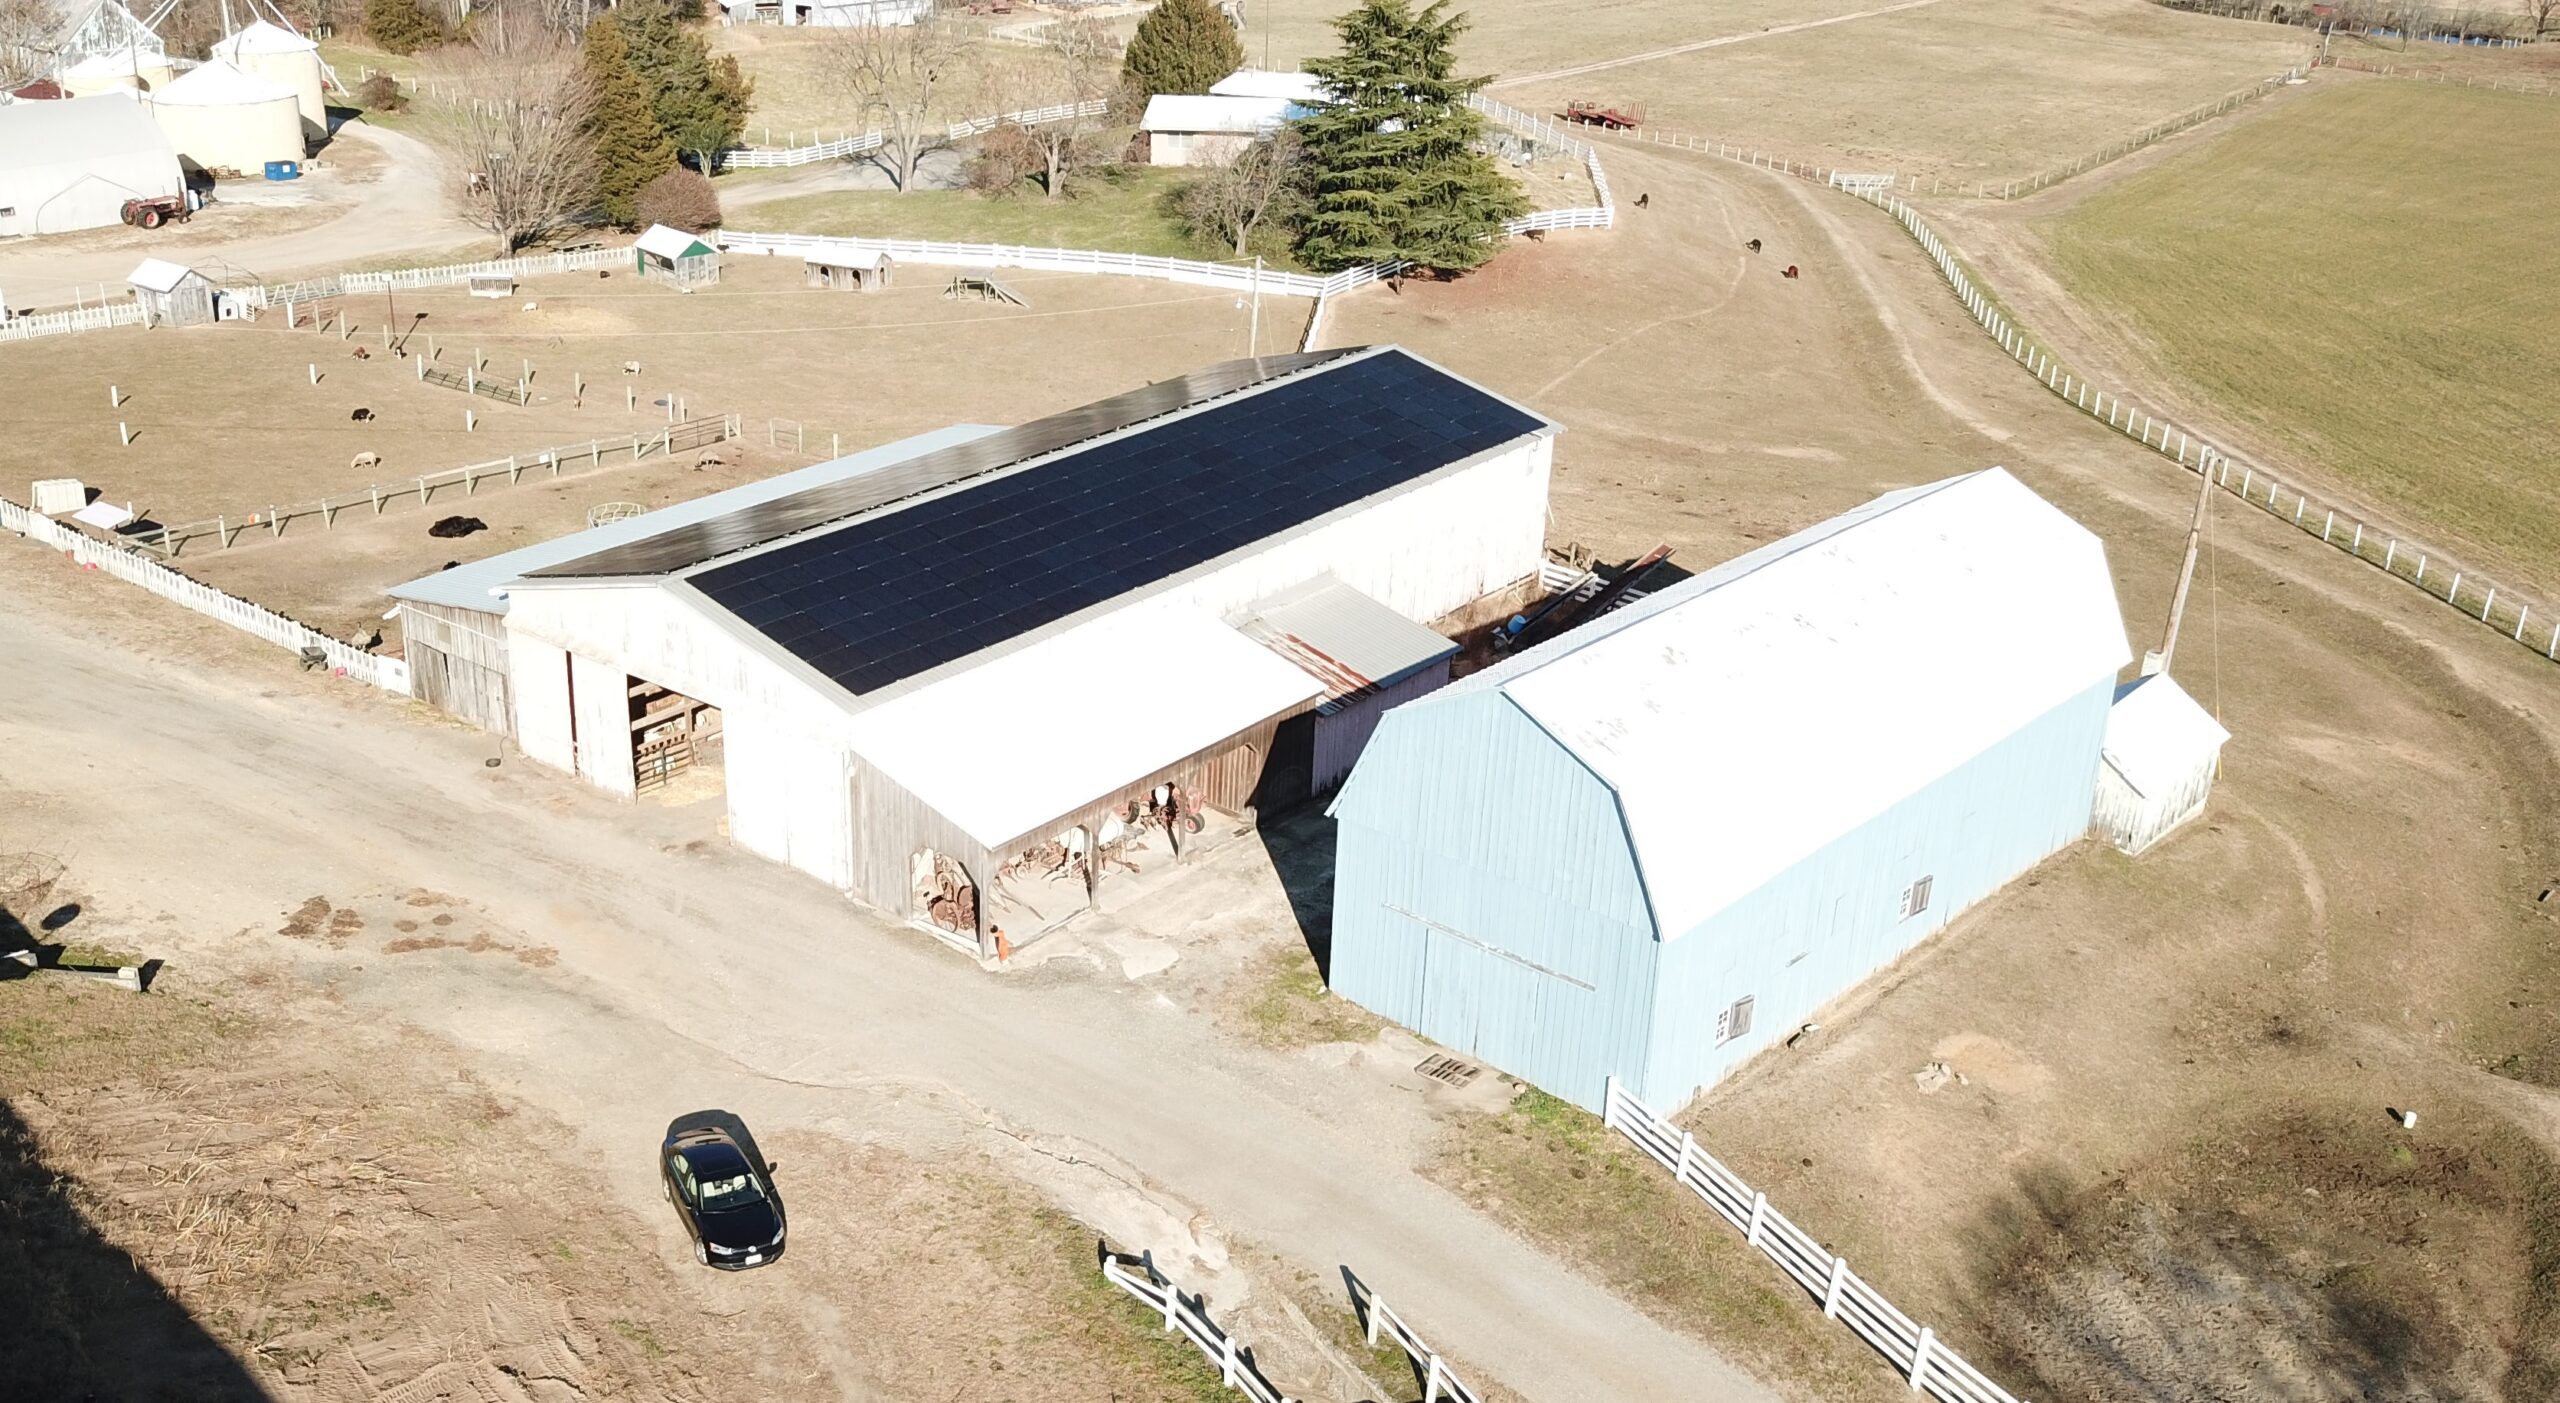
x,y
458,663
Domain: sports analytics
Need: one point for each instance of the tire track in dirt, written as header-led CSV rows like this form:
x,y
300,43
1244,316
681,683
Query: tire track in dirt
x,y
1676,50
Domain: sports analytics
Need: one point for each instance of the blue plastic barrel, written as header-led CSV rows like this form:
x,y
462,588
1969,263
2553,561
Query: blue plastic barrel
x,y
284,170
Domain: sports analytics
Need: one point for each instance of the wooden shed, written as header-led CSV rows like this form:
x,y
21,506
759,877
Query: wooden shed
x,y
172,294
674,256
849,270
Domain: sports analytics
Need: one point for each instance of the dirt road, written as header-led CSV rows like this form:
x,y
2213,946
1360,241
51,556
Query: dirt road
x,y
688,974
1649,55
402,211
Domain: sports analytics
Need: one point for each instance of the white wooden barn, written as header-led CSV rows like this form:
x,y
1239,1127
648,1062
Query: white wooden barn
x,y
940,663
1196,130
2161,754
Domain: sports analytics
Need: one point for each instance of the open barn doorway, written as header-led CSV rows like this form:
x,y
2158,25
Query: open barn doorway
x,y
676,750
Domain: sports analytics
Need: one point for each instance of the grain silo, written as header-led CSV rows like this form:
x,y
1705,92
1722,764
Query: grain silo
x,y
279,55
221,118
117,72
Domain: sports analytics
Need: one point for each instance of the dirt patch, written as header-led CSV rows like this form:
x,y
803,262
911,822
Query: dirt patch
x,y
481,943
2322,1254
1280,1000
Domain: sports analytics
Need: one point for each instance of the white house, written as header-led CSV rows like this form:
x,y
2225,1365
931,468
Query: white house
x,y
72,163
948,659
1197,130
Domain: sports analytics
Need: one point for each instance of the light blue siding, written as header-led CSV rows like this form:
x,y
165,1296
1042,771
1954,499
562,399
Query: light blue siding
x,y
1814,931
1473,847
1485,896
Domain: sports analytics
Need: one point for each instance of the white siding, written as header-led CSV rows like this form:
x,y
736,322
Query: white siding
x,y
600,704
538,675
2133,821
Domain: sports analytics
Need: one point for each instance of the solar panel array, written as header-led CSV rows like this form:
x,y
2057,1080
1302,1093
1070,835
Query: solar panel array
x,y
748,527
886,597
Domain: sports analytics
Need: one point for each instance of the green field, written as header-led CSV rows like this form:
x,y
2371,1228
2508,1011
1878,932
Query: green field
x,y
1122,209
2370,277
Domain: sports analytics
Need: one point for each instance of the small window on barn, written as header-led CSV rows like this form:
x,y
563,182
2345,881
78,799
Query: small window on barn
x,y
1915,898
1735,1020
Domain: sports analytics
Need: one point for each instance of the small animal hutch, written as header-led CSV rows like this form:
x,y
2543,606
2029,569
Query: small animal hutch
x,y
172,294
674,256
846,271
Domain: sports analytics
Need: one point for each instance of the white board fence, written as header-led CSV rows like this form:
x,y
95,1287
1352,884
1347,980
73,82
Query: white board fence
x,y
390,674
847,146
1912,1348
1189,1315
82,319
2409,560
1439,1381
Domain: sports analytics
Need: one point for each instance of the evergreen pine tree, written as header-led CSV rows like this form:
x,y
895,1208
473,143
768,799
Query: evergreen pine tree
x,y
700,102
1182,46
1396,171
401,26
631,149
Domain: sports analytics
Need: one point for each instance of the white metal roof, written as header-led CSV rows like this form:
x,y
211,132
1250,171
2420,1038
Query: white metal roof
x,y
1233,116
119,63
1304,88
264,38
1750,715
668,243
1017,741
85,130
161,275
2157,736
215,83
481,584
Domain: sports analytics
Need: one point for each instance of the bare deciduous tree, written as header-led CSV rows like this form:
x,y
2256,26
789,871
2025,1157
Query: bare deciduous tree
x,y
27,31
524,162
1265,179
2542,15
892,73
1078,64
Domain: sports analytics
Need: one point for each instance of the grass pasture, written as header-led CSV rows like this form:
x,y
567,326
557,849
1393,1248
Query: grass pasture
x,y
1963,89
2368,280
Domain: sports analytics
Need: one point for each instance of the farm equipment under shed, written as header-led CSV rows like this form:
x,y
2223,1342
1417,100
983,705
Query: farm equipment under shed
x,y
1606,115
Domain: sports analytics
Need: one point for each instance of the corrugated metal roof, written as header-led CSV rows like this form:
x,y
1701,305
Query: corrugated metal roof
x,y
1752,714
1341,637
219,84
1014,743
261,37
669,243
1233,116
847,258
475,585
2157,736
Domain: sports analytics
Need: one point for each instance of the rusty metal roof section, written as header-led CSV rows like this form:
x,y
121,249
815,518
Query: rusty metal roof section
x,y
1344,639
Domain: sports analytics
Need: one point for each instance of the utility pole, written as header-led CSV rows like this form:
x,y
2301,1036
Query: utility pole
x,y
2187,569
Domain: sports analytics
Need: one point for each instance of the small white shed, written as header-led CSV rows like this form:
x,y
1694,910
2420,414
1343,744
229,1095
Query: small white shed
x,y
172,294
2159,759
674,256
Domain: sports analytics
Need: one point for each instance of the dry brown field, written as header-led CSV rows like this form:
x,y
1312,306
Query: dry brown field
x,y
226,422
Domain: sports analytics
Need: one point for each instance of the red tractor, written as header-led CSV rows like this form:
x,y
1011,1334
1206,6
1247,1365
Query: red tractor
x,y
156,210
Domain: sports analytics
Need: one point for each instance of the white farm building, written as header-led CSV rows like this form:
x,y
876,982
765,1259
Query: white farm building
x,y
825,14
1193,130
72,163
282,57
2162,752
925,662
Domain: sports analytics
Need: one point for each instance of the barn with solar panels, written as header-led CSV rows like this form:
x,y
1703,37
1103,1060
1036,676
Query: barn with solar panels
x,y
1655,845
926,674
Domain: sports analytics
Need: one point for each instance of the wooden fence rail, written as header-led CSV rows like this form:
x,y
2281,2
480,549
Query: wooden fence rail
x,y
1924,1361
689,433
389,674
1190,1316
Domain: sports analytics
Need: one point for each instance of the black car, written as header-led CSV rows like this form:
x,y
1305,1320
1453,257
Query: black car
x,y
723,1191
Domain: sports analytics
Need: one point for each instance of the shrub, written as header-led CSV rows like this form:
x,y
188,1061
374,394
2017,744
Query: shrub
x,y
681,199
381,93
1005,158
402,26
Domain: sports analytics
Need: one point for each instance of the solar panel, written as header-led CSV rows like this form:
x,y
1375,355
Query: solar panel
x,y
688,546
884,598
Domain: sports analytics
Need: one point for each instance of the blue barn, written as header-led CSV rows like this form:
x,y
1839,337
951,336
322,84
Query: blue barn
x,y
1654,845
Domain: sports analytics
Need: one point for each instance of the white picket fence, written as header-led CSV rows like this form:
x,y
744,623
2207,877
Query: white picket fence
x,y
1188,1315
1913,1348
390,674
854,144
83,319
1061,260
1438,1380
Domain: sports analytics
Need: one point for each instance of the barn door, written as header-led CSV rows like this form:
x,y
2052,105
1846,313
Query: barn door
x,y
1453,980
